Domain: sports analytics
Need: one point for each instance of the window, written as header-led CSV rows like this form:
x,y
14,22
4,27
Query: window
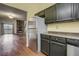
x,y
8,28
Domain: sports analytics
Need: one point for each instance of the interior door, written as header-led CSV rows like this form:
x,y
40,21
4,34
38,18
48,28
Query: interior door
x,y
20,26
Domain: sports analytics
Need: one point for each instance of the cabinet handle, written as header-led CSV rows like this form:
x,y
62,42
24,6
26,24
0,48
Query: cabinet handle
x,y
46,40
57,43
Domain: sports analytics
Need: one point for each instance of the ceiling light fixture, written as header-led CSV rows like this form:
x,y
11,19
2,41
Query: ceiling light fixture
x,y
10,16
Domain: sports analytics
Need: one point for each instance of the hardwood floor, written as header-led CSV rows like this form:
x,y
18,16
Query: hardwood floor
x,y
15,45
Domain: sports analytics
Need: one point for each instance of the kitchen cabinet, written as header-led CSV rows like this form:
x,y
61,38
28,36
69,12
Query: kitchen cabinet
x,y
60,12
53,46
61,46
44,45
64,11
50,14
76,10
41,14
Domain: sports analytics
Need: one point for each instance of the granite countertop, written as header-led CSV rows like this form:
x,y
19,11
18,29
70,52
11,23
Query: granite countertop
x,y
65,35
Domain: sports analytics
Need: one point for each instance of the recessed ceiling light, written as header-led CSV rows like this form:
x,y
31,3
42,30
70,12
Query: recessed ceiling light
x,y
10,16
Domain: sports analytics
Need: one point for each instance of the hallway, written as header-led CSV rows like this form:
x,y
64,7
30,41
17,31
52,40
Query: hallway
x,y
15,45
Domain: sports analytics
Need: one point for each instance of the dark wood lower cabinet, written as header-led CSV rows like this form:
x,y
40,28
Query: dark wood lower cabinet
x,y
53,47
45,46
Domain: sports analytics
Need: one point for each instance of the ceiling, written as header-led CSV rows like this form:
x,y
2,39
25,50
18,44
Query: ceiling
x,y
7,12
31,8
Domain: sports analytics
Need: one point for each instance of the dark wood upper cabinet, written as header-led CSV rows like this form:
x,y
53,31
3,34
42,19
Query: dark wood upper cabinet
x,y
60,12
76,10
64,11
50,14
41,14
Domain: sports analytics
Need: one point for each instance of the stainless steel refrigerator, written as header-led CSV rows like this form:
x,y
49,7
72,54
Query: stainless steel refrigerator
x,y
35,27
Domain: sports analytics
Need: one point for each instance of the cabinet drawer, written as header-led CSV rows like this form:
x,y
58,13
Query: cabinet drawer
x,y
58,39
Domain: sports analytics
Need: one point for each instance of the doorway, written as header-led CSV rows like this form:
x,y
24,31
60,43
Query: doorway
x,y
8,28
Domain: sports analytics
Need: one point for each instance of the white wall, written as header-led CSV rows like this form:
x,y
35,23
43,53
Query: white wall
x,y
64,27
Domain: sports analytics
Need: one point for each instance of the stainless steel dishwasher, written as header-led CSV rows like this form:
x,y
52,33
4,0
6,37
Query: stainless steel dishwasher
x,y
72,47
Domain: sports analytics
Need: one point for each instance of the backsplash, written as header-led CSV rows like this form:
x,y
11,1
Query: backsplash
x,y
64,33
72,27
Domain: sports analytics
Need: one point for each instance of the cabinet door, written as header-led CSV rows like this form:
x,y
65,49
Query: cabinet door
x,y
76,10
41,14
45,46
64,11
50,14
57,49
